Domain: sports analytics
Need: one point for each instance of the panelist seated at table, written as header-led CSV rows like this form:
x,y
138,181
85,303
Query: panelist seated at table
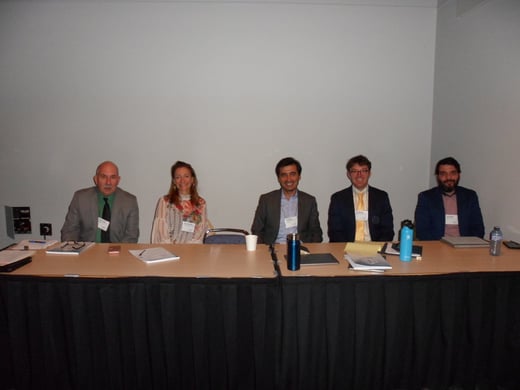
x,y
180,216
103,213
448,209
360,212
287,210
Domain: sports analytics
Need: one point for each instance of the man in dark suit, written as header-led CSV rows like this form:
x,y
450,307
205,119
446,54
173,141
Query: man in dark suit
x,y
360,212
448,209
287,210
103,213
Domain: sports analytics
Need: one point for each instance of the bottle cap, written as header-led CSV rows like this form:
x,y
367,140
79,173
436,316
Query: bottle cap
x,y
293,236
407,223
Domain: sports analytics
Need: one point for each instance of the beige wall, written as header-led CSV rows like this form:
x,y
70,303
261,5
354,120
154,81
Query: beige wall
x,y
230,87
476,106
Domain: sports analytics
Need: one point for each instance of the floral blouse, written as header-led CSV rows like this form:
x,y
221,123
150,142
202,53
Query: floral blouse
x,y
179,224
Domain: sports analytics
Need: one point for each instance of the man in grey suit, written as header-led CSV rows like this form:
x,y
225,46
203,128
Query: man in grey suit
x,y
103,213
287,210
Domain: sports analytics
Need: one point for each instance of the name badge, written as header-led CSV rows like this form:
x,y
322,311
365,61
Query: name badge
x,y
291,222
103,224
452,219
188,227
362,215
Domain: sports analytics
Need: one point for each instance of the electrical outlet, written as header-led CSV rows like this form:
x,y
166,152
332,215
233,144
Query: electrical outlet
x,y
45,229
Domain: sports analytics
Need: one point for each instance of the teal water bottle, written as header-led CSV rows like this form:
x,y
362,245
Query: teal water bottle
x,y
405,246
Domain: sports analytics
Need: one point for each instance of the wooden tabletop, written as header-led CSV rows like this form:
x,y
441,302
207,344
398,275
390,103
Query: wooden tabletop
x,y
234,261
438,258
211,261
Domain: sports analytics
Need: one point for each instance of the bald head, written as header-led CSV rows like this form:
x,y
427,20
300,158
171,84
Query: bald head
x,y
107,177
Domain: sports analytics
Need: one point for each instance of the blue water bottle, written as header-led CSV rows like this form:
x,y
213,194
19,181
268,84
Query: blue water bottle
x,y
405,246
293,252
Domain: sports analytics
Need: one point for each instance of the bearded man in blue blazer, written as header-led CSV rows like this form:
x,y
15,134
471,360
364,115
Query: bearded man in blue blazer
x,y
85,220
287,210
360,212
448,209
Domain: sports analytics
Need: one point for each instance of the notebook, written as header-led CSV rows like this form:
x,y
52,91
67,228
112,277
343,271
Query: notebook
x,y
466,242
70,248
13,259
318,259
364,262
154,255
394,249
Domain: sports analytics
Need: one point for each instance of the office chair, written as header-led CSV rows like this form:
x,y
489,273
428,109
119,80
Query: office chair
x,y
225,236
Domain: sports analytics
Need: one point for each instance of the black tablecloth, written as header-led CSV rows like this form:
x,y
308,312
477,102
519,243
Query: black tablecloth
x,y
374,332
142,333
384,332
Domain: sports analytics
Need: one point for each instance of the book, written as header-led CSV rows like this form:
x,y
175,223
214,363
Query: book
x,y
70,248
465,242
13,259
33,244
364,262
394,249
154,255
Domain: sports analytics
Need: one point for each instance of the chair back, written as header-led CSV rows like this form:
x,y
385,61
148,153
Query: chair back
x,y
225,236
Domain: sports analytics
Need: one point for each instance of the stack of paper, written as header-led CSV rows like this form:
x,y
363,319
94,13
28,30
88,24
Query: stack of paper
x,y
33,244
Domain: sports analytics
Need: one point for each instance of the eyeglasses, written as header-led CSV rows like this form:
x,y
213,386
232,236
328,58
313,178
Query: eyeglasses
x,y
73,245
361,171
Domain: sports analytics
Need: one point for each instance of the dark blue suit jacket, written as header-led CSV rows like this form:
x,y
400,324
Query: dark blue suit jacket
x,y
430,218
342,216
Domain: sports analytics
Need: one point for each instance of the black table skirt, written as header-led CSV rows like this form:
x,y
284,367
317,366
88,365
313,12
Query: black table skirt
x,y
376,332
151,333
401,332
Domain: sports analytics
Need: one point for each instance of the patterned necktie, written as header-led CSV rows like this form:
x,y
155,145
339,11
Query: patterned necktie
x,y
105,235
360,225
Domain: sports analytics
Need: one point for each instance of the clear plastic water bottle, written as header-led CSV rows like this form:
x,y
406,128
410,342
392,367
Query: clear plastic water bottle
x,y
405,244
495,241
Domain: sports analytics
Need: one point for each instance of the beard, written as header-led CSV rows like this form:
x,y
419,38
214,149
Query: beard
x,y
448,185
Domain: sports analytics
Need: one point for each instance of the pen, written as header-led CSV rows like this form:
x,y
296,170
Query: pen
x,y
37,242
140,254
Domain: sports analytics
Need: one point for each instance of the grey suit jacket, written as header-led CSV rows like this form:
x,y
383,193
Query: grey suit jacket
x,y
82,217
266,222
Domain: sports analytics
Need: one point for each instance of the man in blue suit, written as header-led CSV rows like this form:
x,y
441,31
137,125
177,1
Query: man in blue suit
x,y
448,209
360,212
287,210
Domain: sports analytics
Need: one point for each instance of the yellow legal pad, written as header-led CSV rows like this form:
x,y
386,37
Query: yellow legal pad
x,y
363,247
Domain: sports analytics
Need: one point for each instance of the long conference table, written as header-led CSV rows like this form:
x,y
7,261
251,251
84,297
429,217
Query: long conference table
x,y
224,318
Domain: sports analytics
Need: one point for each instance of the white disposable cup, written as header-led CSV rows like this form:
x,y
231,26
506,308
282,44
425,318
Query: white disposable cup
x,y
251,240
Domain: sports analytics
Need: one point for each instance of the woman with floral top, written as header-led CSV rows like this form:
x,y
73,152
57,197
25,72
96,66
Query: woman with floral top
x,y
180,217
